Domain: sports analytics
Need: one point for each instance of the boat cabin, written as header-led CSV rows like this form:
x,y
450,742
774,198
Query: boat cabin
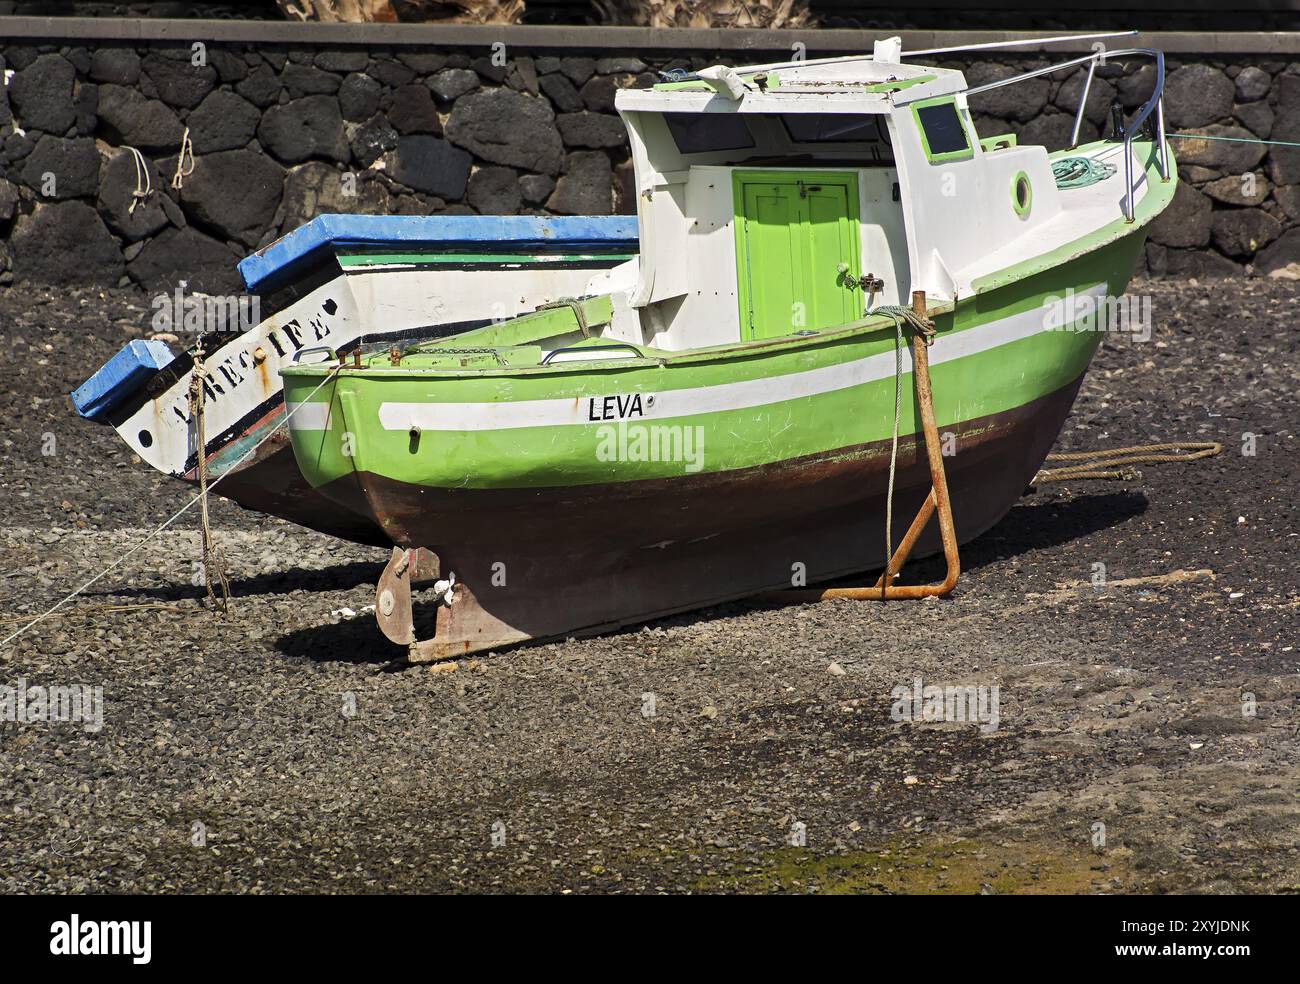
x,y
774,200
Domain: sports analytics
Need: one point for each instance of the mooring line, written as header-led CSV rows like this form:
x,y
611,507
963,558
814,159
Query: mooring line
x,y
1117,463
922,327
106,610
1205,136
175,516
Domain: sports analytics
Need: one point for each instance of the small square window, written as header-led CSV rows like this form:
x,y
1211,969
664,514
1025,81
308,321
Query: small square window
x,y
941,126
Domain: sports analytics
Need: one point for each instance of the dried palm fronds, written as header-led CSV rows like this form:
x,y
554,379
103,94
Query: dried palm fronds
x,y
705,13
410,11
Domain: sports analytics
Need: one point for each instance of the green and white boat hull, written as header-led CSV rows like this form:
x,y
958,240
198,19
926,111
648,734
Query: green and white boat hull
x,y
581,495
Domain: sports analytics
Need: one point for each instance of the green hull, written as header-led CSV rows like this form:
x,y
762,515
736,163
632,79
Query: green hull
x,y
511,449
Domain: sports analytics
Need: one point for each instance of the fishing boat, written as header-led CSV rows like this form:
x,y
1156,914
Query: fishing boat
x,y
351,282
848,306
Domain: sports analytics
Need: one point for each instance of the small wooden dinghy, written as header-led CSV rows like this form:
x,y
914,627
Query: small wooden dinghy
x,y
725,425
348,282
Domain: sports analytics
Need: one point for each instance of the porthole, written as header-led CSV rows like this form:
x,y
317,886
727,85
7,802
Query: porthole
x,y
1022,194
146,439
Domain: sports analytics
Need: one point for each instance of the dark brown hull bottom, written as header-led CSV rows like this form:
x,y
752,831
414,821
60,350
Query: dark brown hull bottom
x,y
548,562
271,483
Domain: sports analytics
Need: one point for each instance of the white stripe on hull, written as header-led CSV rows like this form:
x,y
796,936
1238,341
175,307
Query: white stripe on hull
x,y
308,416
688,402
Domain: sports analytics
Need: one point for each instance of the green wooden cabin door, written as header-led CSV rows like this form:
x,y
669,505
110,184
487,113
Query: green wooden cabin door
x,y
793,231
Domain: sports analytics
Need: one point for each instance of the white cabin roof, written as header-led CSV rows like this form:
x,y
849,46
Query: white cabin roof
x,y
841,85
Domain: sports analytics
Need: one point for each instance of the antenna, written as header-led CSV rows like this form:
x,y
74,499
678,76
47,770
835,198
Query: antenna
x,y
1059,39
1024,42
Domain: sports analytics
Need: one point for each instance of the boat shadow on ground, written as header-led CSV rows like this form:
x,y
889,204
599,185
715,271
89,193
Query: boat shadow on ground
x,y
1039,525
353,640
337,577
1030,525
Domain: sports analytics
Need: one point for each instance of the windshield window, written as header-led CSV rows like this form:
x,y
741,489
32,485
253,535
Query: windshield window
x,y
832,127
863,135
702,133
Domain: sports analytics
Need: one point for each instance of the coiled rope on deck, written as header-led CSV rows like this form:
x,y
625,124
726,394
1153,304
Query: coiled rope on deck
x,y
1117,463
1080,172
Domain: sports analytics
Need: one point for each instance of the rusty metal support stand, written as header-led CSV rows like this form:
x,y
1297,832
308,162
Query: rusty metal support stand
x,y
936,501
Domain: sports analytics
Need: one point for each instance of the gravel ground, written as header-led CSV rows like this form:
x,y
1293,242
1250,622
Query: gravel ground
x,y
278,748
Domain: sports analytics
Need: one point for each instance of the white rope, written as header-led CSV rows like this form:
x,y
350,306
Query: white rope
x,y
893,448
178,179
175,516
143,183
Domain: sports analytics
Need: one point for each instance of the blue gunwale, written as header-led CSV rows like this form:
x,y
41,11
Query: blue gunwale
x,y
279,261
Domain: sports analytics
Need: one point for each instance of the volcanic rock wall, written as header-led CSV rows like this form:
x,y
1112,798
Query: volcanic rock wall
x,y
1238,201
238,143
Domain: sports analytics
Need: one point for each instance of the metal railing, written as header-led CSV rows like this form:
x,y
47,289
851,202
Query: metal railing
x,y
1155,104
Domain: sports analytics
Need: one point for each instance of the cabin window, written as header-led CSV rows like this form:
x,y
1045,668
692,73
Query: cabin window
x,y
867,131
942,134
703,133
832,127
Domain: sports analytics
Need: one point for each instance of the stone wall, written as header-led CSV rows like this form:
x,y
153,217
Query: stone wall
x,y
279,136
280,133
